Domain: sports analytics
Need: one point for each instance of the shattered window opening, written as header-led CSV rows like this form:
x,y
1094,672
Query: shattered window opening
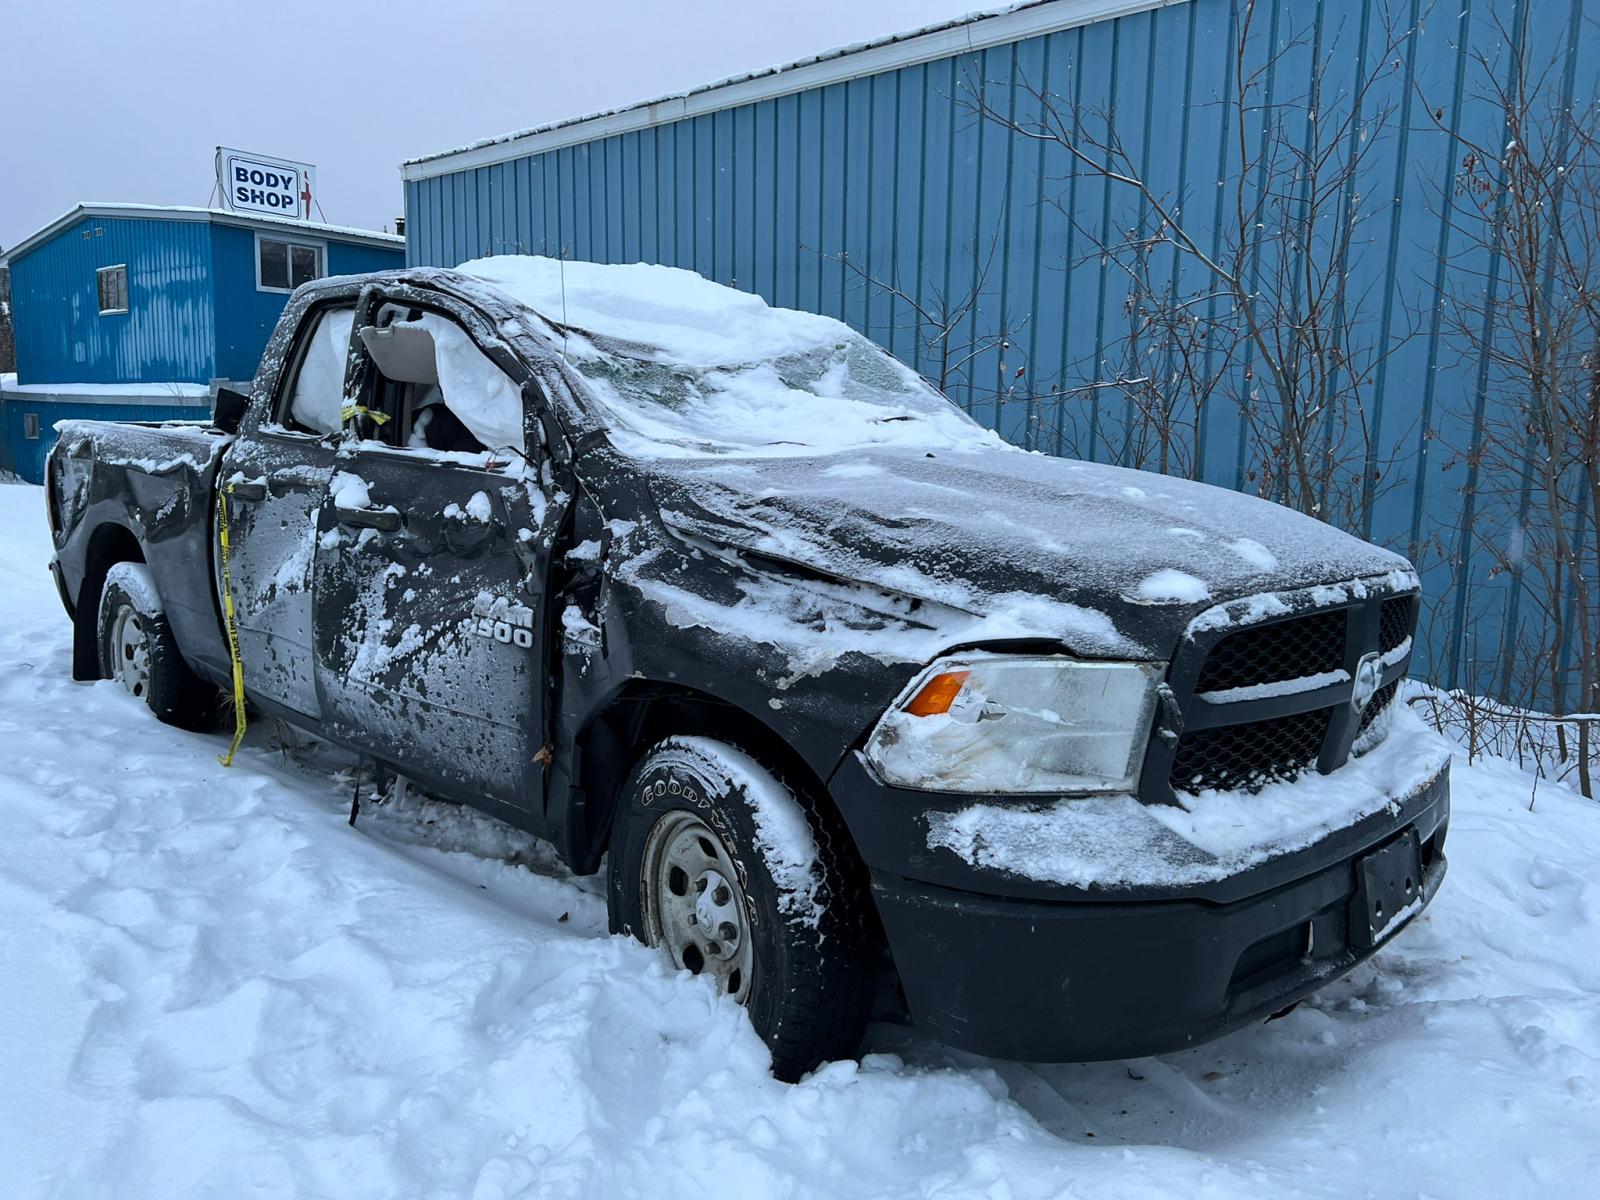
x,y
461,403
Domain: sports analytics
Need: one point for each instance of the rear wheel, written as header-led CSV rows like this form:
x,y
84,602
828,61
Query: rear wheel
x,y
734,875
138,651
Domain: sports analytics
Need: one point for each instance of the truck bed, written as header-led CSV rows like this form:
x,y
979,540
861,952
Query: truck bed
x,y
155,482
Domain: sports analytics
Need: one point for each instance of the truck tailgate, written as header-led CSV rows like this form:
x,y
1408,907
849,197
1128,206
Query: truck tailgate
x,y
157,481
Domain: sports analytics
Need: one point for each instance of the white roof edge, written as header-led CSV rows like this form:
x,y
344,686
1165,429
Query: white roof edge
x,y
183,212
976,31
173,393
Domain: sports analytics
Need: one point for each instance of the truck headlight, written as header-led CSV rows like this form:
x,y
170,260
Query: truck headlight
x,y
1018,723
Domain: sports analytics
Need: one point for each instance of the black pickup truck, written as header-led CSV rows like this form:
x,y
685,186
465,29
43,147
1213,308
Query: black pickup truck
x,y
838,687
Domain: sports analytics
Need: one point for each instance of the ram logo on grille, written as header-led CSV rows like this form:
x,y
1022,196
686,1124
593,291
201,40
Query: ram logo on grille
x,y
1369,676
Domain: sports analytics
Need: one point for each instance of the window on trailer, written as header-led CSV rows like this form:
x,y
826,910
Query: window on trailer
x,y
282,266
112,285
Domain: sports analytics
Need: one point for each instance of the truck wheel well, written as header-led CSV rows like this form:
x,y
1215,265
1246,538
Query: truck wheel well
x,y
638,717
108,546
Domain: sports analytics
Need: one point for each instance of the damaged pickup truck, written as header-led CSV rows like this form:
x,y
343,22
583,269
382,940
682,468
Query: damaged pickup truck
x,y
835,685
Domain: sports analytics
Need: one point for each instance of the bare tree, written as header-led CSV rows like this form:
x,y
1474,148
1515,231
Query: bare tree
x,y
1524,306
1173,360
8,343
1275,321
950,342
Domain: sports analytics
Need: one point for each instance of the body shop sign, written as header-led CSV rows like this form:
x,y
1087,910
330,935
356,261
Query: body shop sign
x,y
277,187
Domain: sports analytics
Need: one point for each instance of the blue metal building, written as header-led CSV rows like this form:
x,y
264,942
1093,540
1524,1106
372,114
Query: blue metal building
x,y
857,181
132,311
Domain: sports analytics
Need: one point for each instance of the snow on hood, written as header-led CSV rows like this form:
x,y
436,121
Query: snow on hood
x,y
789,434
974,529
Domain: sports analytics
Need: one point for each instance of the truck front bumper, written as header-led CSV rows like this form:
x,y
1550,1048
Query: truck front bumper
x,y
1011,967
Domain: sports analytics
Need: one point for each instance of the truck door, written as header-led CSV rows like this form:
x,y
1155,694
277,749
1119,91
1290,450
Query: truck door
x,y
276,473
432,561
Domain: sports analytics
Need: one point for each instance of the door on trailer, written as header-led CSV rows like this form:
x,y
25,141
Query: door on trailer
x,y
276,475
432,561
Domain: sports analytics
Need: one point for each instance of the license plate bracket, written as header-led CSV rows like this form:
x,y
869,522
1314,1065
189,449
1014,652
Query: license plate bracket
x,y
1388,888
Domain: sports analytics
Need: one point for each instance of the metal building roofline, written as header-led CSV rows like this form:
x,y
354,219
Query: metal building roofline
x,y
976,31
180,212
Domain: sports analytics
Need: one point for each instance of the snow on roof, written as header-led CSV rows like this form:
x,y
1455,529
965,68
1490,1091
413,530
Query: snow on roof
x,y
687,367
184,212
693,320
963,34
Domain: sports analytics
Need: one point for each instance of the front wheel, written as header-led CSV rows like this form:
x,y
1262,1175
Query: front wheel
x,y
137,650
731,874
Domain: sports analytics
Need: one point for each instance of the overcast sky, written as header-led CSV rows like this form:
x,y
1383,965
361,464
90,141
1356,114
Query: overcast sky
x,y
126,100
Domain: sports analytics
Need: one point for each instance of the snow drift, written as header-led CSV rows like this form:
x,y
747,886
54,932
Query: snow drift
x,y
212,986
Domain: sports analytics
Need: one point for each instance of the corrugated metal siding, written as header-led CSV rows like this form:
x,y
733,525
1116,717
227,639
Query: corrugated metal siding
x,y
347,259
894,172
194,312
166,334
26,456
245,314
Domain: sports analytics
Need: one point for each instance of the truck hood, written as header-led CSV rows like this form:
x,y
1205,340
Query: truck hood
x,y
1108,560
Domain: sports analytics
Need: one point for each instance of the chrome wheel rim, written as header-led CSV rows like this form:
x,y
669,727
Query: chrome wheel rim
x,y
695,909
130,653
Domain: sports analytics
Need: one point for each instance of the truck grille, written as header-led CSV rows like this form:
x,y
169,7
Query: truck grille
x,y
1398,616
1274,653
1381,700
1244,755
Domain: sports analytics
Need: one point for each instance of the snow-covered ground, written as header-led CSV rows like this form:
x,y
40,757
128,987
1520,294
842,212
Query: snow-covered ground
x,y
211,986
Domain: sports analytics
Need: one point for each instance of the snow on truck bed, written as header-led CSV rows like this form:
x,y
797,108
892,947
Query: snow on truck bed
x,y
211,986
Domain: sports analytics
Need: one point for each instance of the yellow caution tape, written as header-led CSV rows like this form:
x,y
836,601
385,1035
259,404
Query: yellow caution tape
x,y
354,410
231,622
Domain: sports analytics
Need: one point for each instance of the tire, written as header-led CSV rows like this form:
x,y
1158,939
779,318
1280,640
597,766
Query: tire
x,y
700,818
137,650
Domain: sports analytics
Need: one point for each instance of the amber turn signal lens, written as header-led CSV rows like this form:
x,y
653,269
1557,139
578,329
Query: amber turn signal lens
x,y
938,694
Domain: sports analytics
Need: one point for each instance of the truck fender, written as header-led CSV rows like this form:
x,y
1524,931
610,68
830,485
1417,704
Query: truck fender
x,y
111,543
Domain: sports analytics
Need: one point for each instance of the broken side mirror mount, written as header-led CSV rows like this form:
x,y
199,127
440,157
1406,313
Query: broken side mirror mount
x,y
228,409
